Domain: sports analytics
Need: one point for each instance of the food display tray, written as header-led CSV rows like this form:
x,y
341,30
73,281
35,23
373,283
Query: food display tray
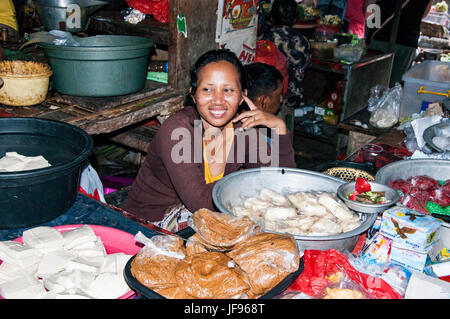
x,y
147,293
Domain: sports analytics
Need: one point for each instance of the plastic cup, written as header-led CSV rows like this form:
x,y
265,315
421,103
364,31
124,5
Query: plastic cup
x,y
371,152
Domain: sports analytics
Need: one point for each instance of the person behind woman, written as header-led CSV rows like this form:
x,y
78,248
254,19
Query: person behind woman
x,y
264,88
206,140
292,44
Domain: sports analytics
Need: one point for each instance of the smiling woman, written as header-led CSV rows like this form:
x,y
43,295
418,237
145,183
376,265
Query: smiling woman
x,y
203,142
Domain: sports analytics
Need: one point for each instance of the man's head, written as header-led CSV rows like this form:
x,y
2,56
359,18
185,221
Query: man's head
x,y
264,86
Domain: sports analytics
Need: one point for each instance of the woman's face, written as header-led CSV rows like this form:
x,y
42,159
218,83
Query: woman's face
x,y
218,93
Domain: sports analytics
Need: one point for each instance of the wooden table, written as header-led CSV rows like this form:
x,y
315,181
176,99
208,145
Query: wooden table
x,y
120,117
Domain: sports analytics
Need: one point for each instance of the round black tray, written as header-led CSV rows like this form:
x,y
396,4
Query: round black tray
x,y
145,292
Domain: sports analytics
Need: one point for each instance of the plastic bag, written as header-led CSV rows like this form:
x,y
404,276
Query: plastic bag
x,y
160,245
132,16
268,53
91,185
318,265
158,8
222,231
396,276
385,109
56,37
342,287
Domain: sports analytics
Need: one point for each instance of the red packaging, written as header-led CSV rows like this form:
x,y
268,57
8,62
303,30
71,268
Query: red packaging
x,y
158,8
320,264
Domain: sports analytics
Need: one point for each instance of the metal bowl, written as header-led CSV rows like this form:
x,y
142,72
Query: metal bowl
x,y
434,168
433,131
391,195
233,189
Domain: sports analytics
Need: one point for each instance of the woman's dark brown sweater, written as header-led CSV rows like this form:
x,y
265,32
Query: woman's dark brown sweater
x,y
163,181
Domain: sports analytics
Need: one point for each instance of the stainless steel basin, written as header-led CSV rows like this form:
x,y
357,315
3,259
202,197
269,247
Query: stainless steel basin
x,y
74,14
234,188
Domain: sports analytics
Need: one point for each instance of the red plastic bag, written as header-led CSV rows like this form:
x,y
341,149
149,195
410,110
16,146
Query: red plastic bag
x,y
320,264
268,53
158,8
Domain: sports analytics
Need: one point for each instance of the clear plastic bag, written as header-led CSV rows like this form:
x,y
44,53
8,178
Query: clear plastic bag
x,y
342,287
161,245
221,230
385,109
132,16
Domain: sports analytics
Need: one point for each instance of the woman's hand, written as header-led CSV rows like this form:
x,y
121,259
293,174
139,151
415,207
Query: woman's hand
x,y
257,117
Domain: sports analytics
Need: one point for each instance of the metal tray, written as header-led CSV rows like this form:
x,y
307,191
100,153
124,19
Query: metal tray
x,y
430,132
147,293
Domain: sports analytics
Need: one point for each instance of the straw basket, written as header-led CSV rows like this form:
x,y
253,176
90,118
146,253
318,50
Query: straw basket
x,y
25,83
348,174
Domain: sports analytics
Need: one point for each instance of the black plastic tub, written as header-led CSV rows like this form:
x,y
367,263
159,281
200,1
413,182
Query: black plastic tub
x,y
33,197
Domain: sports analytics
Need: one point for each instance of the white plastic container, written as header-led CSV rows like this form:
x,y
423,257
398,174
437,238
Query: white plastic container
x,y
428,81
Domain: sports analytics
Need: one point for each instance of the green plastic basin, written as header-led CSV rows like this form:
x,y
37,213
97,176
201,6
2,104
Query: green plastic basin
x,y
103,65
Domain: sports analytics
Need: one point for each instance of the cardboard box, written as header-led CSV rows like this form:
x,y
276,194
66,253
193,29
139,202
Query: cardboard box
x,y
410,229
407,258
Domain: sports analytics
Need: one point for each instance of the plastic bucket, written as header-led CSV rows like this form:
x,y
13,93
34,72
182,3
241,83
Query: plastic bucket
x,y
25,83
103,65
33,197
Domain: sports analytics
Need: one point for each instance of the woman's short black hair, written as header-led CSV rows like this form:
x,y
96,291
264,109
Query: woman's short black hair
x,y
209,57
283,12
262,79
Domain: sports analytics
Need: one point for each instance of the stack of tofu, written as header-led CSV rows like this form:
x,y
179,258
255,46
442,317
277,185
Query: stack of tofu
x,y
61,265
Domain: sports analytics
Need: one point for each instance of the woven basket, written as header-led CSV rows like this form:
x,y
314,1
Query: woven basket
x,y
348,174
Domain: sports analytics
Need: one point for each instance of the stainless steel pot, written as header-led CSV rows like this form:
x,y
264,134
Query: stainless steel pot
x,y
234,188
434,168
54,12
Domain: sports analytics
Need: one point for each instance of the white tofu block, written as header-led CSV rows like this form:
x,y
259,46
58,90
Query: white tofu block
x,y
24,262
54,262
96,251
73,265
26,287
96,261
69,281
52,295
109,264
78,236
108,286
121,261
10,249
10,271
115,263
44,238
